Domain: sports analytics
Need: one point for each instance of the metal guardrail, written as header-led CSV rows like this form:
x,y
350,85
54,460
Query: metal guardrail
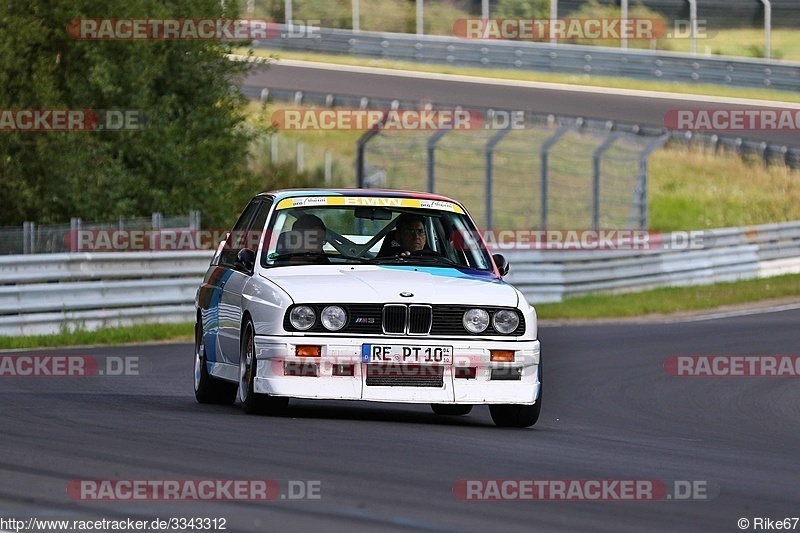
x,y
732,254
768,152
111,289
40,294
546,57
34,238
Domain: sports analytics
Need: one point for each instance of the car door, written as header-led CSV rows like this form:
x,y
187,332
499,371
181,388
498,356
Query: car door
x,y
231,302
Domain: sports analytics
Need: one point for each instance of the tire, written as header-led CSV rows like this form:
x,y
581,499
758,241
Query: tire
x,y
253,403
446,409
208,389
518,416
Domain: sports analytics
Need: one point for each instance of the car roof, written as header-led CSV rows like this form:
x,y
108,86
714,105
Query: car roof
x,y
384,193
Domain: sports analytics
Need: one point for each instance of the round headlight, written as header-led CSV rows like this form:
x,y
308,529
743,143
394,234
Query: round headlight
x,y
505,321
334,318
476,320
302,317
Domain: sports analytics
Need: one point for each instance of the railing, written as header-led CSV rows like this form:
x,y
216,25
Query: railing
x,y
768,152
546,57
40,294
45,293
554,172
729,254
32,238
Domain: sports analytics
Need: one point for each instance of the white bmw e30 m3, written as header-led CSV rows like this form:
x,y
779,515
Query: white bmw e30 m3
x,y
361,294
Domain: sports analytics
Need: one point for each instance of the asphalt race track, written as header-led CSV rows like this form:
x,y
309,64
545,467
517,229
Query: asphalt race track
x,y
610,412
625,108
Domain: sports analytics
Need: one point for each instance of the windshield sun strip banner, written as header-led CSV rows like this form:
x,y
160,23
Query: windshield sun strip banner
x,y
317,201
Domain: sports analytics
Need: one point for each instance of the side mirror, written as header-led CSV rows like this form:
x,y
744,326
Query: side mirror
x,y
502,264
246,259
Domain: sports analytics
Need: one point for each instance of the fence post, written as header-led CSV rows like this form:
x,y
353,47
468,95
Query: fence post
x,y
274,148
194,220
693,25
489,185
623,42
156,220
767,29
74,233
545,150
431,161
327,168
300,149
641,180
361,146
596,178
27,238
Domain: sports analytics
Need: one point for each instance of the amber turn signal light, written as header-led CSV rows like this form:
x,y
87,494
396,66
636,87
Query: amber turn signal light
x,y
502,356
309,351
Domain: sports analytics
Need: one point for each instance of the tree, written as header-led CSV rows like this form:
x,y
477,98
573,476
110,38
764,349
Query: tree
x,y
194,143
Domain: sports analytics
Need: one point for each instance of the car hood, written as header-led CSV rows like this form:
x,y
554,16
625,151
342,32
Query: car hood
x,y
383,284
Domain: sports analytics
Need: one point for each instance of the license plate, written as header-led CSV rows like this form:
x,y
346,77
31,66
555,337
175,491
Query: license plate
x,y
404,353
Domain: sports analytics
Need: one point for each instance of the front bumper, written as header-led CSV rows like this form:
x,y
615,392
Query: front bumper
x,y
471,378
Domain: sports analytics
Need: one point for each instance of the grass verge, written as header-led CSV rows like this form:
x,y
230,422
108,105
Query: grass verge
x,y
124,335
744,42
669,300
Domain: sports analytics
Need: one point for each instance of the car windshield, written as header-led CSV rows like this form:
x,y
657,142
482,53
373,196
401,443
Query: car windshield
x,y
336,230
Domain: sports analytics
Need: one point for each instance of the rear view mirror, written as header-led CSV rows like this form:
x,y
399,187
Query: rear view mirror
x,y
373,213
502,264
246,259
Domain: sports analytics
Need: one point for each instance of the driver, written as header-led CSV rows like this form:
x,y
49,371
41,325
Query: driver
x,y
306,238
410,233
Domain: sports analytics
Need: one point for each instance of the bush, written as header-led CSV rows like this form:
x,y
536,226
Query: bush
x,y
193,146
526,9
594,10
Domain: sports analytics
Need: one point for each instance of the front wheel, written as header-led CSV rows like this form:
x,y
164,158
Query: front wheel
x,y
206,388
518,416
252,402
